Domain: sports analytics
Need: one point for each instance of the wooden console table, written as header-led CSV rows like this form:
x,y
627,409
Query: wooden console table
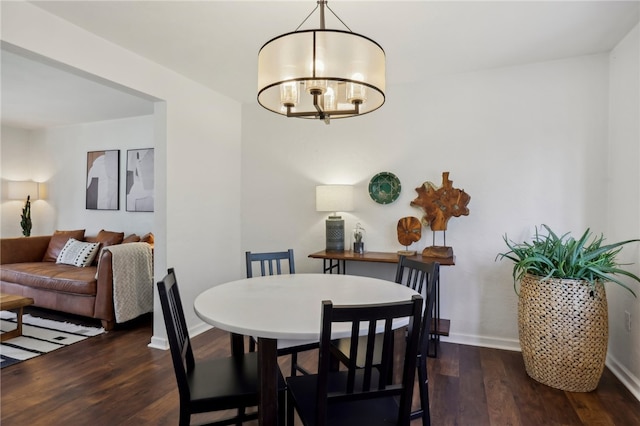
x,y
336,261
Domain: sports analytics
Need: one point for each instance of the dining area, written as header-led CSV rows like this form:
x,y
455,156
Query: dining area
x,y
351,323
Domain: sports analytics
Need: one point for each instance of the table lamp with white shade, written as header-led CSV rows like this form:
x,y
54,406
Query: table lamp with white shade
x,y
334,198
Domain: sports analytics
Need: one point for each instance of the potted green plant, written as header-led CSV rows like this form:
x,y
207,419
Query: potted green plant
x,y
25,218
562,305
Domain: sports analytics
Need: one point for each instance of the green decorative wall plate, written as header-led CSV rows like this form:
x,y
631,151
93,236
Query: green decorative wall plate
x,y
384,188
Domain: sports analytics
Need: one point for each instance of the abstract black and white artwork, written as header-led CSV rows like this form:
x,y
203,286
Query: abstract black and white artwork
x,y
140,180
103,180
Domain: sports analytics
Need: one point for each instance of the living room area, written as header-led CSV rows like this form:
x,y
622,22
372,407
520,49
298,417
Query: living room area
x,y
531,107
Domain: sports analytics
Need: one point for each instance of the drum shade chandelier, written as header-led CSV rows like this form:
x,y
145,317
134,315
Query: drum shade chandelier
x,y
321,73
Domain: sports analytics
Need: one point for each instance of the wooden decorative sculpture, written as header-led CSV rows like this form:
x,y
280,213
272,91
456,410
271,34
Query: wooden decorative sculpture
x,y
439,205
409,231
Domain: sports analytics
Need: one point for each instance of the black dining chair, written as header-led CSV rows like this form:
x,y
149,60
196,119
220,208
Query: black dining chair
x,y
212,384
423,278
269,261
272,264
359,395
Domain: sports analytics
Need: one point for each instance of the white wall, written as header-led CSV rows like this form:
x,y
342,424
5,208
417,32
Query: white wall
x,y
623,203
525,142
60,155
16,164
57,157
528,143
197,146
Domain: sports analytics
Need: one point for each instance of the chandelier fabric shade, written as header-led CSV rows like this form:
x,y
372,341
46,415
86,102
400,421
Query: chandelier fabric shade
x,y
321,73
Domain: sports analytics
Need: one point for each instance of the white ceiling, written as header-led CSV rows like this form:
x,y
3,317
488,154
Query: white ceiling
x,y
216,42
39,93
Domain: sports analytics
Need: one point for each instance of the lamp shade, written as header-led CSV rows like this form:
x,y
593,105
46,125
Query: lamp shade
x,y
19,190
343,68
334,198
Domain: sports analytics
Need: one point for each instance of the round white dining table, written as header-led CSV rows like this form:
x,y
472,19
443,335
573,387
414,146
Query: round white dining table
x,y
287,308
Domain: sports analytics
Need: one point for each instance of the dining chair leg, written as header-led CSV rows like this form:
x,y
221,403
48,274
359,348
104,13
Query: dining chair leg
x,y
297,368
290,410
241,413
283,418
423,385
185,417
294,363
237,344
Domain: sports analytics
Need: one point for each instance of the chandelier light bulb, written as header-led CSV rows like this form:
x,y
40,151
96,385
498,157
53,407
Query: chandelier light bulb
x,y
317,86
356,93
330,98
289,94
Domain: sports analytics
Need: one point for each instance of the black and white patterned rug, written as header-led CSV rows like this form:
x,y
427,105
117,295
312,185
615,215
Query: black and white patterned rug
x,y
39,336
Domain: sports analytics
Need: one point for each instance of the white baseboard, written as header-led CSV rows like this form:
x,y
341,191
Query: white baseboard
x,y
462,339
162,343
158,343
627,378
199,329
486,342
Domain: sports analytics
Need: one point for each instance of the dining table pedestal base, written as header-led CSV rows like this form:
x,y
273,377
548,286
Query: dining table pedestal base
x,y
268,365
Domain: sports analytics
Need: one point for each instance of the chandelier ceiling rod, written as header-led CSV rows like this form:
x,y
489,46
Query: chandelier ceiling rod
x,y
322,4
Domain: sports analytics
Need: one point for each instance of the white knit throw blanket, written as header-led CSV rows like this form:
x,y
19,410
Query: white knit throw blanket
x,y
132,265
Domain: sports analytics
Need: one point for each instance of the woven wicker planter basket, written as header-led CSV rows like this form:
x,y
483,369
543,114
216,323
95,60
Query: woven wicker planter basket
x,y
563,332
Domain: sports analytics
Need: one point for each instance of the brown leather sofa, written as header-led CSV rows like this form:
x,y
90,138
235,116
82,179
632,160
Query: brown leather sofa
x,y
28,268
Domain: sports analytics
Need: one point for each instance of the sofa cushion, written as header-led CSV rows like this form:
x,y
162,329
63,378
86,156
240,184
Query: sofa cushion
x,y
77,253
148,238
133,238
109,238
51,276
58,240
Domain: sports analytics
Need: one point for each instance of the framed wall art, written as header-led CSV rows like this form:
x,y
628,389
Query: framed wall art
x,y
140,180
103,180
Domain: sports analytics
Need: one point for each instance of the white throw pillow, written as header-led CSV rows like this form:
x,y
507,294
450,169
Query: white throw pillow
x,y
78,253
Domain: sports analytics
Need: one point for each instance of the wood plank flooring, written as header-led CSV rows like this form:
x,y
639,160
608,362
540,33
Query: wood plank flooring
x,y
115,379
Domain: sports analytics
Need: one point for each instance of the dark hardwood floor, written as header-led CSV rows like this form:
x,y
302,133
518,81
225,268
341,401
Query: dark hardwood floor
x,y
115,379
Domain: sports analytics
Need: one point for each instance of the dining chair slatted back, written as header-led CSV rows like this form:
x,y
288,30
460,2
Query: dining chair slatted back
x,y
423,275
212,384
413,273
177,332
360,394
270,263
423,278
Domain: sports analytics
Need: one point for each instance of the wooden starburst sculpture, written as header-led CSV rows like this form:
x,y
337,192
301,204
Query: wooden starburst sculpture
x,y
440,205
